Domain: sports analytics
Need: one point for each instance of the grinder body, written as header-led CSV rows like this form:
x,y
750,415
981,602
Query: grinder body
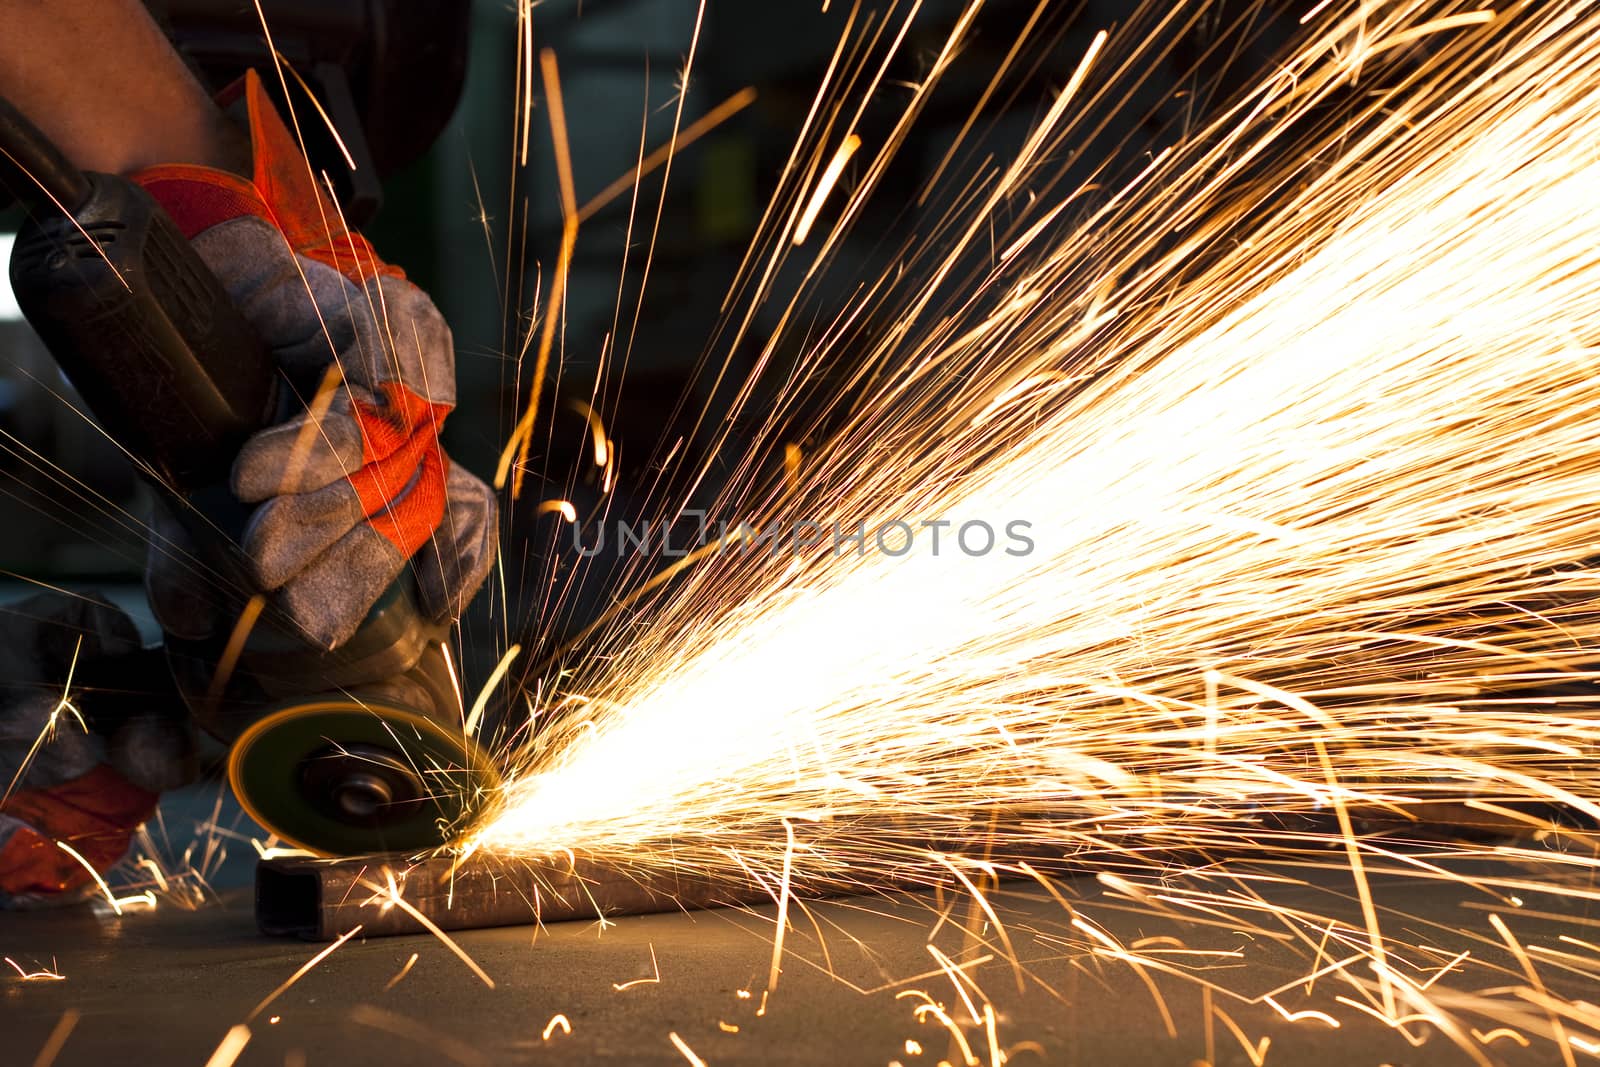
x,y
356,749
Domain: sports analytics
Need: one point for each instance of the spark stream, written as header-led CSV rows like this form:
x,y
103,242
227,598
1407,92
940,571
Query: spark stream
x,y
1307,406
1331,480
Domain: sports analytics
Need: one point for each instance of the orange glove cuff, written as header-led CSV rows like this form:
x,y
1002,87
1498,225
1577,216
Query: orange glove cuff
x,y
282,190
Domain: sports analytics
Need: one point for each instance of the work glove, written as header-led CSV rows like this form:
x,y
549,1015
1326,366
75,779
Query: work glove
x,y
60,780
355,484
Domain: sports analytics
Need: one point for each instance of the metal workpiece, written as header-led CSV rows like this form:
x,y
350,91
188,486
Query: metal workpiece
x,y
320,900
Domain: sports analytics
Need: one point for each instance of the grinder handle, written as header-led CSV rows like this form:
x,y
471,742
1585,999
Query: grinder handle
x,y
140,325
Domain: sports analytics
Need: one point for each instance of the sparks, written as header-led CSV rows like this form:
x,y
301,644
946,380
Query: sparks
x,y
830,178
1298,480
43,974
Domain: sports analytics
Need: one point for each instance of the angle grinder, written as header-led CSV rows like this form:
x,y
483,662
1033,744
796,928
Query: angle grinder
x,y
356,750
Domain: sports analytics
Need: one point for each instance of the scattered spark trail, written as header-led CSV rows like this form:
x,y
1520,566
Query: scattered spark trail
x,y
688,1053
654,979
303,970
1297,423
58,1038
43,974
830,178
233,1043
116,903
400,975
1316,454
48,732
389,896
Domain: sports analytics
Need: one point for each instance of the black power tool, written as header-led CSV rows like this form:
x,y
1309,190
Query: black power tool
x,y
357,750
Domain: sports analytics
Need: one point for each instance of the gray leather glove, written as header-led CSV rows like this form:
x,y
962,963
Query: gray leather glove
x,y
356,486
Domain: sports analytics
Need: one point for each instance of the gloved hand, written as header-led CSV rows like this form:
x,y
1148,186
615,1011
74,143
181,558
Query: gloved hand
x,y
356,485
58,780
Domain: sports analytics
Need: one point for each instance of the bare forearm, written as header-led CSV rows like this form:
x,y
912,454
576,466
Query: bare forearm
x,y
102,82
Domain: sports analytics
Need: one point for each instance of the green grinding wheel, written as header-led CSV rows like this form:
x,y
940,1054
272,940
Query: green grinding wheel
x,y
339,777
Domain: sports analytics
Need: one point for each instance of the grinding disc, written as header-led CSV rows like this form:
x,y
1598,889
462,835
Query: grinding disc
x,y
339,777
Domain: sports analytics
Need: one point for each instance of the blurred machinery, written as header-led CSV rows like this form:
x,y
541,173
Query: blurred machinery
x,y
63,485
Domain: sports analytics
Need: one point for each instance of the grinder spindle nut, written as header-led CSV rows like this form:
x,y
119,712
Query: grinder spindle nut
x,y
338,776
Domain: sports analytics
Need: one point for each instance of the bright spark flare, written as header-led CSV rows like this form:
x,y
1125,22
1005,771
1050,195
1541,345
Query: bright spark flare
x,y
1307,470
1310,474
